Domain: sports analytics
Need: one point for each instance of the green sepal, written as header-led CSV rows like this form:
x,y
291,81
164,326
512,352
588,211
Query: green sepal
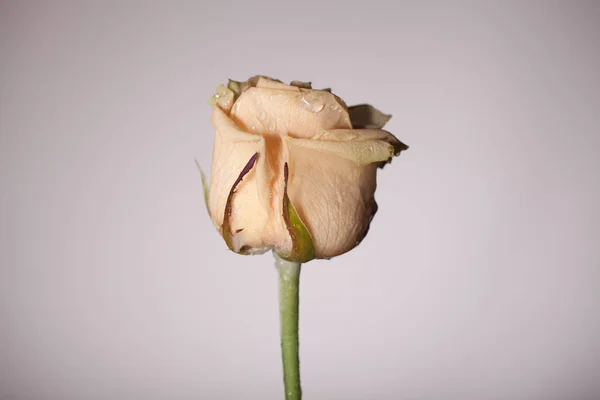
x,y
204,187
303,249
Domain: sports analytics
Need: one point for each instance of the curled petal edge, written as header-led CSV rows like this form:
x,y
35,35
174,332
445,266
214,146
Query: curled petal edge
x,y
365,116
362,146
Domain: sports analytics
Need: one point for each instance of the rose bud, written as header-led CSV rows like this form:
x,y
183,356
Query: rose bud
x,y
294,169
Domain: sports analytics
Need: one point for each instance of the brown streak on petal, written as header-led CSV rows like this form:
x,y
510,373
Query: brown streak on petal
x,y
225,228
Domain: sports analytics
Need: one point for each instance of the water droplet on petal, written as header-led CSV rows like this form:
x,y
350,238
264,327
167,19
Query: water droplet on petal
x,y
262,116
312,102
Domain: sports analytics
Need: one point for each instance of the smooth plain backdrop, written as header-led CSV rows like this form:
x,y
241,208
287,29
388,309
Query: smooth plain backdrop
x,y
480,277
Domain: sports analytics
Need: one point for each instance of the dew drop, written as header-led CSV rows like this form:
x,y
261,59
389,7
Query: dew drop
x,y
262,116
311,102
335,107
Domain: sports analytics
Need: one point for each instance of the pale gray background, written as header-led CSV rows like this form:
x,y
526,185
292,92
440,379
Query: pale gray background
x,y
480,278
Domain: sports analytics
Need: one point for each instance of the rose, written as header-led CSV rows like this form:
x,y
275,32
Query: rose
x,y
294,169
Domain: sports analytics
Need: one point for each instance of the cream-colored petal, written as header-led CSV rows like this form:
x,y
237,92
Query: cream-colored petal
x,y
232,150
333,196
363,135
362,146
344,135
298,113
223,98
238,87
275,232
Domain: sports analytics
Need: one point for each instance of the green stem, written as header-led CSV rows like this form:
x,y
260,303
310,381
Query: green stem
x,y
289,282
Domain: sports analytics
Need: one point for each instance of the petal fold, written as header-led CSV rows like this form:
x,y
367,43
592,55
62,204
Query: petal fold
x,y
250,205
362,146
333,196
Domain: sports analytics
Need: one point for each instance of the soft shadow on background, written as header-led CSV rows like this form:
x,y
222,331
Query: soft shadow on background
x,y
480,277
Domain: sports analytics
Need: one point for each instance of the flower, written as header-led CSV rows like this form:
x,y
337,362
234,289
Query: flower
x,y
294,169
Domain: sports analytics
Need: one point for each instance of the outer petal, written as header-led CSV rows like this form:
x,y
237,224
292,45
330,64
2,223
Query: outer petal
x,y
237,88
363,146
223,98
269,109
333,196
232,150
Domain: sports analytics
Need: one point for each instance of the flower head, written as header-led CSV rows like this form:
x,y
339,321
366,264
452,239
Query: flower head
x,y
294,169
